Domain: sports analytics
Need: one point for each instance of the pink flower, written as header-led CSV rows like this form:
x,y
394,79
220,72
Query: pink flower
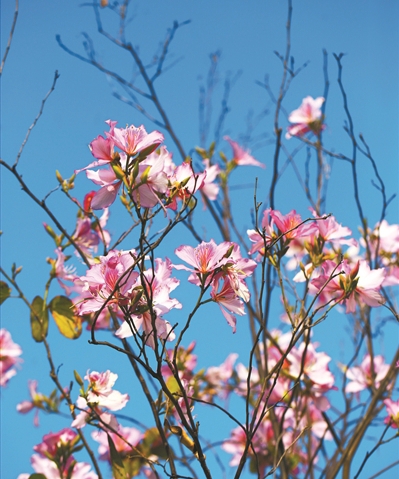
x,y
158,284
125,442
314,368
50,469
209,188
206,258
291,226
227,300
392,408
102,278
357,283
242,157
264,239
151,182
134,140
37,400
361,376
308,117
183,183
9,352
100,392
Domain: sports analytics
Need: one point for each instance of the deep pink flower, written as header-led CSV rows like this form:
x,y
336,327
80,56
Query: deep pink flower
x,y
290,224
392,408
361,376
242,157
9,352
308,117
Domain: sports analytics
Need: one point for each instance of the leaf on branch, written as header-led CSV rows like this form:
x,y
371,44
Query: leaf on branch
x,y
152,444
5,291
39,319
118,469
67,322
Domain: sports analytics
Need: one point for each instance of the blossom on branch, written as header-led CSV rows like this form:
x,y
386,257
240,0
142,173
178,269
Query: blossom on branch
x,y
392,409
242,157
308,117
363,376
349,284
9,352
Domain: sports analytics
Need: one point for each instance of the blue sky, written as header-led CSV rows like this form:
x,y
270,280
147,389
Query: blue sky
x,y
246,34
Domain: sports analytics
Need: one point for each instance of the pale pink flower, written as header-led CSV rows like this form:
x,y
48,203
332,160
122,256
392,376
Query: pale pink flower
x,y
37,400
125,442
308,117
219,376
133,140
100,392
206,258
242,157
266,238
226,298
102,278
9,352
361,376
392,409
183,183
158,284
186,361
314,368
333,232
110,185
209,188
50,470
151,182
88,413
357,283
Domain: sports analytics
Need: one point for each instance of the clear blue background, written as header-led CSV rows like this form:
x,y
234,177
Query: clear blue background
x,y
246,33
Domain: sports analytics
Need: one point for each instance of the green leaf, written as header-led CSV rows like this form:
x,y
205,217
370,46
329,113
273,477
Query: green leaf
x,y
5,291
152,444
118,469
37,476
67,322
39,319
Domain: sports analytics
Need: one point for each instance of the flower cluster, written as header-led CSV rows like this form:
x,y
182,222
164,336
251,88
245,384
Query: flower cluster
x,y
55,460
222,268
140,299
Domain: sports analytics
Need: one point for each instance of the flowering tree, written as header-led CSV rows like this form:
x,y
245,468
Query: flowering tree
x,y
292,414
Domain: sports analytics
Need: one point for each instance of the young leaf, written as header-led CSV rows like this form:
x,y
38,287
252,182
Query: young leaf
x,y
67,322
39,319
5,291
118,469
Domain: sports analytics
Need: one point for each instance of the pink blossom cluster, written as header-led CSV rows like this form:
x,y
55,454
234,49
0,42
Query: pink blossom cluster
x,y
9,357
149,177
317,247
222,268
303,370
55,460
140,300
